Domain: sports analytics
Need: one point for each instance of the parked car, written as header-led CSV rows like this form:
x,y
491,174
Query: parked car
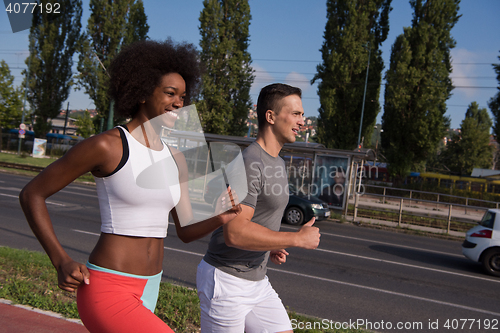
x,y
482,243
300,209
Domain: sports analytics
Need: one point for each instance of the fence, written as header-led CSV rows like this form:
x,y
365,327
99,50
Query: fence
x,y
416,211
438,197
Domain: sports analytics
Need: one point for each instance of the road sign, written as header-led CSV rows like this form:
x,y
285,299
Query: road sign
x,y
22,132
22,126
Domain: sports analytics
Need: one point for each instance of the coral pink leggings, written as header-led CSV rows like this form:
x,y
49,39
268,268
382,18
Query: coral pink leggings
x,y
119,302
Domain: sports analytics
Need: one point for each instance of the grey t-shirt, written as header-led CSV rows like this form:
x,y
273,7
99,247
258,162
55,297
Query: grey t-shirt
x,y
268,195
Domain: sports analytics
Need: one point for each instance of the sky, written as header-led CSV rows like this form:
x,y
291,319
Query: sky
x,y
285,38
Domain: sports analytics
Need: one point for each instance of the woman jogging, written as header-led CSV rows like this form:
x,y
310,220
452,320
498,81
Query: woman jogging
x,y
118,287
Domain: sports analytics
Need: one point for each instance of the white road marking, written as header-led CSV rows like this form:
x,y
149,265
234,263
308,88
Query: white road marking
x,y
55,203
384,243
9,195
408,265
17,197
86,232
388,292
76,193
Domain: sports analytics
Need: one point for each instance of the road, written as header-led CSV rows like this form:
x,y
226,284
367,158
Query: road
x,y
382,279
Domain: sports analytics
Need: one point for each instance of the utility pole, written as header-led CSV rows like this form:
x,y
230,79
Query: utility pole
x,y
111,104
66,119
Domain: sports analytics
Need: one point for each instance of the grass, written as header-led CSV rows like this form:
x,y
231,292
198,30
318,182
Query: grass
x,y
28,278
25,159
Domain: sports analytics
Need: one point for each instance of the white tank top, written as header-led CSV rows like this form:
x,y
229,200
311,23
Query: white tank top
x,y
136,198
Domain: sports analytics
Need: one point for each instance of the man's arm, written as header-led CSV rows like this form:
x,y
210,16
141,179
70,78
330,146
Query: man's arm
x,y
244,234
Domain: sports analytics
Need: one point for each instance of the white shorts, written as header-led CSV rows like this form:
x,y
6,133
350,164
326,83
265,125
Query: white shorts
x,y
233,305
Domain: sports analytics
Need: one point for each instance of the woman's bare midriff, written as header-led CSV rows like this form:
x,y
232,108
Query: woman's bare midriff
x,y
133,255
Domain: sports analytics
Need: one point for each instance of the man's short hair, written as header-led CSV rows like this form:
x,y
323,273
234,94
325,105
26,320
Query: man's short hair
x,y
270,99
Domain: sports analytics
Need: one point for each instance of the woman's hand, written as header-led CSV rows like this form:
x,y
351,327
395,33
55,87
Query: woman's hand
x,y
71,275
228,205
278,256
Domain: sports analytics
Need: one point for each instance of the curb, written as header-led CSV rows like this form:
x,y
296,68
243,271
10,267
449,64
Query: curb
x,y
44,312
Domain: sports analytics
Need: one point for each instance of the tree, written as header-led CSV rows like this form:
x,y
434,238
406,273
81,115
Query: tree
x,y
225,95
354,31
85,125
112,23
137,27
53,41
10,100
418,85
471,148
494,105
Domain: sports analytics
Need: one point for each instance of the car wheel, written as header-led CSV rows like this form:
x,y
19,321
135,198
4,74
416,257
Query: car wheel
x,y
294,216
491,262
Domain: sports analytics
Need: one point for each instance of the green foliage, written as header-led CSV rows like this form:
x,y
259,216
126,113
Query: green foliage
x,y
354,30
225,95
418,86
112,23
471,148
137,27
494,105
10,99
53,42
460,194
85,125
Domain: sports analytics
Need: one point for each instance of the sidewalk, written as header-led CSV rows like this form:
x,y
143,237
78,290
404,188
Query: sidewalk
x,y
15,318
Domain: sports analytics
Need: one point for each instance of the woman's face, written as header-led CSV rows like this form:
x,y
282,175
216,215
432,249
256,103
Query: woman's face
x,y
166,99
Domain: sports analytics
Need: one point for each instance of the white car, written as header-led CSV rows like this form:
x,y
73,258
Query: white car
x,y
482,243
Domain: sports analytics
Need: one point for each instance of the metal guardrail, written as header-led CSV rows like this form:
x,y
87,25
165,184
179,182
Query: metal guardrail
x,y
438,195
21,166
399,210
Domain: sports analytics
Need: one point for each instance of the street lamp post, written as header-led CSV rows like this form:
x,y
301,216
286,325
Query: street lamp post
x,y
24,102
364,97
379,133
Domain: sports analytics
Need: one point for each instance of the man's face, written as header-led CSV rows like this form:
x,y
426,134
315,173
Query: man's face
x,y
289,119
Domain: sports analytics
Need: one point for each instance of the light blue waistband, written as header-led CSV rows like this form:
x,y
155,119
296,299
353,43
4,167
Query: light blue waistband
x,y
112,271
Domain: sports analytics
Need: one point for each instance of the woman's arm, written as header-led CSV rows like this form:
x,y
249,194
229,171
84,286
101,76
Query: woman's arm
x,y
97,155
183,211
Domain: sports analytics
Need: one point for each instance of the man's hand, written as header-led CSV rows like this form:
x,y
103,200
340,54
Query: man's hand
x,y
309,235
71,275
278,256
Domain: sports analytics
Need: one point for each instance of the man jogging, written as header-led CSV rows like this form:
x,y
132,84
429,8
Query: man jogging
x,y
234,291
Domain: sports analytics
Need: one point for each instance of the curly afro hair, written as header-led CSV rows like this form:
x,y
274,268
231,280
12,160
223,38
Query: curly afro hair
x,y
137,70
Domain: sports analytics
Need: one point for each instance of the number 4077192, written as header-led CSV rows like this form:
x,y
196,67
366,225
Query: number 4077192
x,y
27,7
